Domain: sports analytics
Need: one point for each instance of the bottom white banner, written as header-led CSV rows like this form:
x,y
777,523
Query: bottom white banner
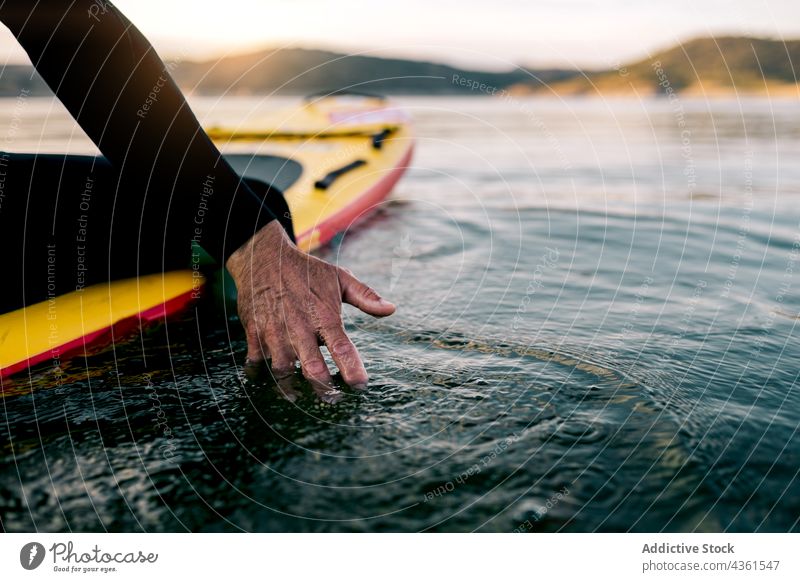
x,y
355,557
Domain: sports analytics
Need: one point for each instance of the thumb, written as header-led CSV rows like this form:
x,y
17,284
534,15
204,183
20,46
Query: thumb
x,y
362,296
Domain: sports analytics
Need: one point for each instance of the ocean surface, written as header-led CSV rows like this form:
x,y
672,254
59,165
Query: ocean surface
x,y
597,331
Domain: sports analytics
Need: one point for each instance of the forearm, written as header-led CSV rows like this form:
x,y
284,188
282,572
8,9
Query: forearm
x,y
123,96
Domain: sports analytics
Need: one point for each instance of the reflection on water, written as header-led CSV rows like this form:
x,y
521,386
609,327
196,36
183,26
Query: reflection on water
x,y
593,303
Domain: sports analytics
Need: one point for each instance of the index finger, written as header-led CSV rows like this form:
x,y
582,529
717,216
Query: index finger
x,y
346,356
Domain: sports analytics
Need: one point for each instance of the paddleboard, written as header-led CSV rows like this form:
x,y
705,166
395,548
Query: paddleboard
x,y
334,157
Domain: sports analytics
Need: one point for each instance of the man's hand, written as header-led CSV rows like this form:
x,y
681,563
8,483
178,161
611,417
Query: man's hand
x,y
290,303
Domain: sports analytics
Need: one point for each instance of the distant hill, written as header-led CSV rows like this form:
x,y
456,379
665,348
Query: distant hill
x,y
302,71
708,66
298,71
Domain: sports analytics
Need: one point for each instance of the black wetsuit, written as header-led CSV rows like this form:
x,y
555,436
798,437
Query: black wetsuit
x,y
159,188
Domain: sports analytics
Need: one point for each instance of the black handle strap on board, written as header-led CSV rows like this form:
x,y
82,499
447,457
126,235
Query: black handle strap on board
x,y
380,137
331,177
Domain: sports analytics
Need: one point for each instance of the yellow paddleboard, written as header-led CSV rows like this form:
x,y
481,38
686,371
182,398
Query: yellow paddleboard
x,y
335,159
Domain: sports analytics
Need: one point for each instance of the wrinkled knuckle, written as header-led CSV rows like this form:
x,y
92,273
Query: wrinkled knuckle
x,y
370,293
330,322
315,367
343,347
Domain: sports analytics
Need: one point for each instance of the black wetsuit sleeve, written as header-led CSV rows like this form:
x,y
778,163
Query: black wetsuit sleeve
x,y
123,96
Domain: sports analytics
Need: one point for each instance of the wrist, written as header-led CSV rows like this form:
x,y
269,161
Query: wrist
x,y
265,244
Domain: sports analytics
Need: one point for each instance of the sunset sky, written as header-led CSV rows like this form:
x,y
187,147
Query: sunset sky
x,y
495,34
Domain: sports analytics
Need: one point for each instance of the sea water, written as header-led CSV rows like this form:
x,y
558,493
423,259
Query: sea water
x,y
596,331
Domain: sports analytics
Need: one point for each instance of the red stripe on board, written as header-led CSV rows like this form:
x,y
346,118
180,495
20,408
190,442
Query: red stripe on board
x,y
363,205
123,326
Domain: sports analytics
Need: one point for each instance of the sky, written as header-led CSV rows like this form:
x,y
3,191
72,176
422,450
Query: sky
x,y
492,34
